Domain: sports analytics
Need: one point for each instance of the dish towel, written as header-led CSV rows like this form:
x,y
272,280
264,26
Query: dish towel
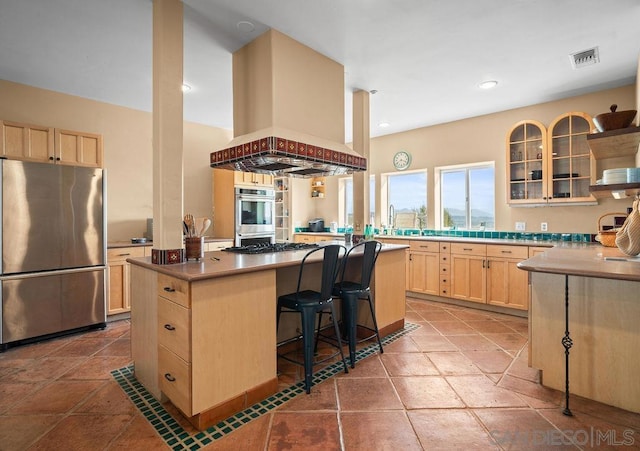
x,y
628,237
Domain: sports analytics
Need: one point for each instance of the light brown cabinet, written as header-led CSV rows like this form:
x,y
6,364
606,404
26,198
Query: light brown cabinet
x,y
570,166
118,270
37,143
422,267
78,149
507,285
553,165
468,272
25,141
252,179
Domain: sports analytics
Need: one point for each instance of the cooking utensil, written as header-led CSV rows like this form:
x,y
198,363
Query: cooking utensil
x,y
205,225
188,219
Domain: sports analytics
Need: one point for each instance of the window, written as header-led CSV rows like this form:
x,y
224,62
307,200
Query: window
x,y
467,196
346,190
406,200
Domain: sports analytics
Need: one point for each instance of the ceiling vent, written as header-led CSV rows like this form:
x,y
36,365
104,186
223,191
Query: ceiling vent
x,y
584,58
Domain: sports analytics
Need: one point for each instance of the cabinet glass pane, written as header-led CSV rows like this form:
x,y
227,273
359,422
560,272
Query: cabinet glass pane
x,y
580,188
579,125
533,132
581,166
561,166
516,152
534,149
518,172
561,147
517,134
562,127
579,145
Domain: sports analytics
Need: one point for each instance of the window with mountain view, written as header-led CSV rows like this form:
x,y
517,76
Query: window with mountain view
x,y
467,197
407,193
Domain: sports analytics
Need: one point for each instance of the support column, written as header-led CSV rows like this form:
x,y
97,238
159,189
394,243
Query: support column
x,y
167,132
361,140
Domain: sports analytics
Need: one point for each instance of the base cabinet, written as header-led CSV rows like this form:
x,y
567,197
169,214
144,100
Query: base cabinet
x,y
507,285
118,275
468,272
423,267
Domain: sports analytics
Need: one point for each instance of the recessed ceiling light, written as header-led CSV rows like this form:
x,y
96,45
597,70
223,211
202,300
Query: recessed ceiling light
x,y
383,124
373,91
244,26
186,87
488,84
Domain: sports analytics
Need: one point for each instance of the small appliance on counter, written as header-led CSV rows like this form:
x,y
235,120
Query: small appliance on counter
x,y
316,225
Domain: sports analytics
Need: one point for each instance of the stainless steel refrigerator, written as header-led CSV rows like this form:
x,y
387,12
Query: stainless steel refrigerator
x,y
53,247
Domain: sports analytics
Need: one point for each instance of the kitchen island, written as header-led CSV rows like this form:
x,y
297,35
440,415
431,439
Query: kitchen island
x,y
203,333
602,335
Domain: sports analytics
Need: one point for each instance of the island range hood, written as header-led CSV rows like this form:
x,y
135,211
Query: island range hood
x,y
288,112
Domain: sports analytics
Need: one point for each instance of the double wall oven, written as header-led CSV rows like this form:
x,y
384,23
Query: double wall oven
x,y
255,216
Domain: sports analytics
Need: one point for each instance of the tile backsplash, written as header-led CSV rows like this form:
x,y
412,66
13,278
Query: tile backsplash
x,y
509,235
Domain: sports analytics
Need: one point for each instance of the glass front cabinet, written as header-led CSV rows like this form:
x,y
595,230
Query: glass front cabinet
x,y
550,166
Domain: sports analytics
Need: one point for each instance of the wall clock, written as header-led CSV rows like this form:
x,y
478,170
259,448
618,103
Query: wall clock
x,y
402,160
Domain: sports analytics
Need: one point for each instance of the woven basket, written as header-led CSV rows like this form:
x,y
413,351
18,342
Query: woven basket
x,y
607,237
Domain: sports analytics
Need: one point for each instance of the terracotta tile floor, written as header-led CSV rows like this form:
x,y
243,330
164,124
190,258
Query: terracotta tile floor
x,y
444,386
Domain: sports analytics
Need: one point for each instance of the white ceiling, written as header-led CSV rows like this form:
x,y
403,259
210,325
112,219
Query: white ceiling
x,y
424,57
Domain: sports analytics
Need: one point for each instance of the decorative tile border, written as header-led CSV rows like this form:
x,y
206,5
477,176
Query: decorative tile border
x,y
177,438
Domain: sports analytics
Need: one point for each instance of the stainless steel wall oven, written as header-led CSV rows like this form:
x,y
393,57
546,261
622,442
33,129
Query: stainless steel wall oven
x,y
255,216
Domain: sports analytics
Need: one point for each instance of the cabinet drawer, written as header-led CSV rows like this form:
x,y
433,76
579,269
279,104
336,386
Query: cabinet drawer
x,y
445,289
424,246
468,249
218,245
173,328
445,248
445,259
445,280
176,290
445,269
175,379
122,253
520,252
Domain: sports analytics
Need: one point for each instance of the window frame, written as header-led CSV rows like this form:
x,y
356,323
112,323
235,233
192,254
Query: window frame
x,y
467,168
384,193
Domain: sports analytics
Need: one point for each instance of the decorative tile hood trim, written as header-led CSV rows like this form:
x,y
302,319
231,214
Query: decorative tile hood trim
x,y
278,151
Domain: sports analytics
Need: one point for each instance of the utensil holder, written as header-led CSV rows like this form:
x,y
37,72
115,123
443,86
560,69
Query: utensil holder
x,y
194,247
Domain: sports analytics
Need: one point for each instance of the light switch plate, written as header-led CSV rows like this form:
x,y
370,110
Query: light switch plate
x,y
543,227
520,226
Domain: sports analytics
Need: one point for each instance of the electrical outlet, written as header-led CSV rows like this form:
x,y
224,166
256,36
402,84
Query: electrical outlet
x,y
543,227
520,226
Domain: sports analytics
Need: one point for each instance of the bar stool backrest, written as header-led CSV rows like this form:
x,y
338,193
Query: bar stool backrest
x,y
330,268
369,257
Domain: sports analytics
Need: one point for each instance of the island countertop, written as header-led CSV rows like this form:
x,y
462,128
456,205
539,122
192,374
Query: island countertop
x,y
587,260
224,263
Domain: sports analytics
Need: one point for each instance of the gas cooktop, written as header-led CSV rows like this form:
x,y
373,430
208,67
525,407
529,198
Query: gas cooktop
x,y
266,248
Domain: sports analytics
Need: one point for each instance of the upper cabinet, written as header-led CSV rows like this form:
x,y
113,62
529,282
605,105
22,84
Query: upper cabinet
x,y
253,179
25,141
571,166
78,148
526,157
550,166
37,143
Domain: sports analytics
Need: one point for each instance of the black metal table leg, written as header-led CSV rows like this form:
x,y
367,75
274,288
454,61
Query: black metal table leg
x,y
567,342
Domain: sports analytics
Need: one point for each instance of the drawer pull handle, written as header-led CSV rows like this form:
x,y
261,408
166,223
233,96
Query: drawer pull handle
x,y
506,252
124,255
444,269
169,377
169,290
444,280
467,249
169,327
444,258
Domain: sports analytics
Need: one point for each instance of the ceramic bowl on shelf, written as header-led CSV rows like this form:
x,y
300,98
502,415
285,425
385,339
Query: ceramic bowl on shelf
x,y
614,120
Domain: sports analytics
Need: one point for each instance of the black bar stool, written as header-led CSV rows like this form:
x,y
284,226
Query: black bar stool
x,y
308,303
352,291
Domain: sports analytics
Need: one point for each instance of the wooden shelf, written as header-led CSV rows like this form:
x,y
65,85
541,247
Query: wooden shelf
x,y
604,191
614,143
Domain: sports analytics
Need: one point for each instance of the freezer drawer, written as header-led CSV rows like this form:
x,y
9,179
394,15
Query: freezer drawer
x,y
39,304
